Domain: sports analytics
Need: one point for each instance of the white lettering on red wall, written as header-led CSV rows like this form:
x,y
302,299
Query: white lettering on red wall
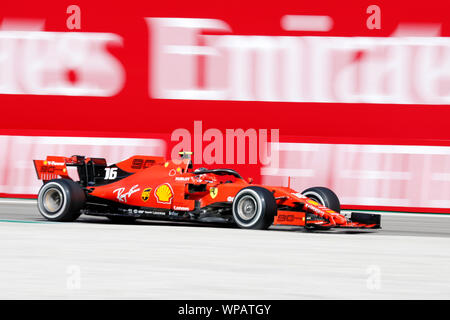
x,y
401,69
58,63
373,175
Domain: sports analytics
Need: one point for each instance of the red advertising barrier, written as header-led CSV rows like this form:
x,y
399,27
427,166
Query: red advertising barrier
x,y
357,94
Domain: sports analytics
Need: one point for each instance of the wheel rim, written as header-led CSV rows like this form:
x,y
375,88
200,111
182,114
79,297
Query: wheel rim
x,y
52,200
247,208
315,197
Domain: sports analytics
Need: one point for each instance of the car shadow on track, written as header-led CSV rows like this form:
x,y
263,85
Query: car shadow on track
x,y
165,223
142,222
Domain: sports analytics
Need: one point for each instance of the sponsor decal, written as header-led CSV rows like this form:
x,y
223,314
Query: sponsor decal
x,y
288,218
146,194
155,213
123,196
315,209
181,208
313,202
298,195
230,199
182,178
213,192
164,193
139,163
54,163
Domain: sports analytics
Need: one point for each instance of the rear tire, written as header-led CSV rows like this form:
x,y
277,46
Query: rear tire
x,y
254,208
324,196
61,200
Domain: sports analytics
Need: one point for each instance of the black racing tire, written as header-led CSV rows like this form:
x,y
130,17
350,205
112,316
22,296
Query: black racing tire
x,y
61,200
122,219
324,196
254,208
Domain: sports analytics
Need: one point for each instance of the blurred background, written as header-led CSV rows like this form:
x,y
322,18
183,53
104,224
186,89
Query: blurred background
x,y
351,96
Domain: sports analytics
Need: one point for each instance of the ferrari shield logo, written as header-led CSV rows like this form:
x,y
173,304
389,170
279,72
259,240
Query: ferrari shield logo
x,y
146,194
164,193
213,192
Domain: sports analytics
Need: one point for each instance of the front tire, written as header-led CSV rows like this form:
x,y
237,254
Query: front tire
x,y
324,196
61,200
254,208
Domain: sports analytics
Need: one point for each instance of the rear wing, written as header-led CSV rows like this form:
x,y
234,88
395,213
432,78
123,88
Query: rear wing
x,y
51,168
91,170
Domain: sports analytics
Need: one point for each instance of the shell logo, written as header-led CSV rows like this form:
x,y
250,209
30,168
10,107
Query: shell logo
x,y
164,193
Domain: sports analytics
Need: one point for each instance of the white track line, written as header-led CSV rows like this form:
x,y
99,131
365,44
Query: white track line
x,y
18,201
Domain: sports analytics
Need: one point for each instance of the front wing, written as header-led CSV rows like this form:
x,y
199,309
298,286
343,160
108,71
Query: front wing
x,y
356,220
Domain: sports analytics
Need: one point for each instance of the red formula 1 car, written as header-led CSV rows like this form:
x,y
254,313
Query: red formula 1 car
x,y
147,187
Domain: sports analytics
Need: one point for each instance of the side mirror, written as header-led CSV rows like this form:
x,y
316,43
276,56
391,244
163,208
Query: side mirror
x,y
250,180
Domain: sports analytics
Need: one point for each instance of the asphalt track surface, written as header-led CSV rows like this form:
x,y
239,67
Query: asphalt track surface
x,y
96,259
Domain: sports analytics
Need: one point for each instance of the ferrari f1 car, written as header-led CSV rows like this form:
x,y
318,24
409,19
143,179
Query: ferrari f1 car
x,y
147,187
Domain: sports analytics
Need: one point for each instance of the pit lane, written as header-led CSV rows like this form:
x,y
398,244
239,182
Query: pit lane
x,y
408,259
